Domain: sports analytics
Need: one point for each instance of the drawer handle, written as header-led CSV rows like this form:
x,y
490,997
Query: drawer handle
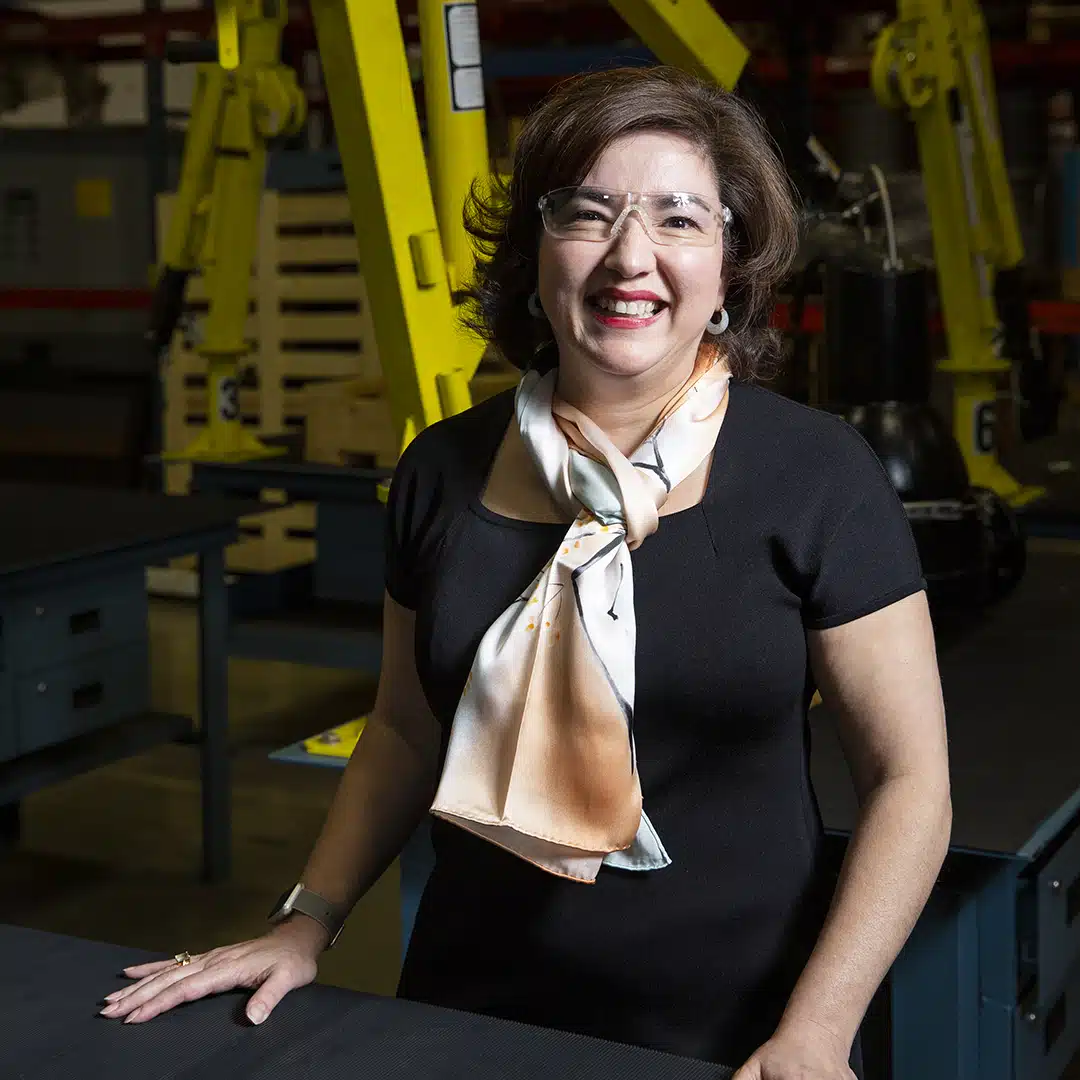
x,y
1055,1023
86,697
1072,901
85,622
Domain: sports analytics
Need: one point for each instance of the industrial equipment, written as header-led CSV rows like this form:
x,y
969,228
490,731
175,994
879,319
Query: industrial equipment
x,y
244,97
878,375
933,61
413,257
414,251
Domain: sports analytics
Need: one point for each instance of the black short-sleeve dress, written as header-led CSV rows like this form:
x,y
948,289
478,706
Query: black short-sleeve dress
x,y
799,529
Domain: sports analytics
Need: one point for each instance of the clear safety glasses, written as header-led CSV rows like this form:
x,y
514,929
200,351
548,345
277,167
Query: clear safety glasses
x,y
668,217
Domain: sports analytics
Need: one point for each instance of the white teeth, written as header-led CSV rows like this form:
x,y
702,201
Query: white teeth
x,y
639,308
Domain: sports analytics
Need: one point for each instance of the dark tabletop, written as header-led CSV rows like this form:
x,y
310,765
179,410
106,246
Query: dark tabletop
x,y
51,986
1052,463
43,525
1010,686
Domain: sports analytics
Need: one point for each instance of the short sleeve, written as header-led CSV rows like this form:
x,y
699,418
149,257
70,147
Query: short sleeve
x,y
868,556
438,473
406,507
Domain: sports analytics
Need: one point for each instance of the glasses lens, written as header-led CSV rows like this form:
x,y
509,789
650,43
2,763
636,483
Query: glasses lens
x,y
582,213
676,218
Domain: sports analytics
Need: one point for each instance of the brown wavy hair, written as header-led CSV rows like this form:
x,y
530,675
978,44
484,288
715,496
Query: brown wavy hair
x,y
559,143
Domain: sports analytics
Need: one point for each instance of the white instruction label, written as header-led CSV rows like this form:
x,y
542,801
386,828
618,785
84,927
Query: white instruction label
x,y
463,56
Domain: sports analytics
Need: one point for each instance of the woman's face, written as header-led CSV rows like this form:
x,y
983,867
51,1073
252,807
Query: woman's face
x,y
577,278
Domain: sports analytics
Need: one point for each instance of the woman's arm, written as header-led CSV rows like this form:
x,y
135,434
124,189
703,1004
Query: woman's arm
x,y
388,784
879,675
386,789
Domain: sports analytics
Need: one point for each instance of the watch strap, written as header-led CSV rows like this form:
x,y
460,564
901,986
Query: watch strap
x,y
329,915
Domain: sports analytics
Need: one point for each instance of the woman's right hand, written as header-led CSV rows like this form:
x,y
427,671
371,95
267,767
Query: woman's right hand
x,y
272,965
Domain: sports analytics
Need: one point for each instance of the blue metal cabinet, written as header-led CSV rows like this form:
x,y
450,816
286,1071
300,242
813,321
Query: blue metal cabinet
x,y
73,658
1046,1042
70,622
8,731
988,985
59,703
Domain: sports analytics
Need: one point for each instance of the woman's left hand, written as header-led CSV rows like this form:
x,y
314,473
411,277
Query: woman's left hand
x,y
800,1051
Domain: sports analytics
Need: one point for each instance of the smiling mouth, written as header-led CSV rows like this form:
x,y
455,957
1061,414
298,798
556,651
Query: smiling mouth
x,y
625,309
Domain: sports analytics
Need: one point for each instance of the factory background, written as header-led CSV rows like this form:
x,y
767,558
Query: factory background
x,y
93,120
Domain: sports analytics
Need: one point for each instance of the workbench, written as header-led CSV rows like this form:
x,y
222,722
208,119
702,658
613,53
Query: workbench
x,y
1052,463
334,616
52,988
74,638
988,986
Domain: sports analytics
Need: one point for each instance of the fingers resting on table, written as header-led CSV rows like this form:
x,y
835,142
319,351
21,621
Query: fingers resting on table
x,y
271,967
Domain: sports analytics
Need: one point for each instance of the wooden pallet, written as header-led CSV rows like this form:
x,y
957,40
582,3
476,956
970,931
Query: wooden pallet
x,y
308,325
313,371
309,318
350,422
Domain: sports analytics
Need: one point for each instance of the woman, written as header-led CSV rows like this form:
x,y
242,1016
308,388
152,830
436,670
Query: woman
x,y
610,598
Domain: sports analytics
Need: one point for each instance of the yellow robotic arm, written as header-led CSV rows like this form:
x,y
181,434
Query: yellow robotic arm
x,y
407,205
934,63
244,97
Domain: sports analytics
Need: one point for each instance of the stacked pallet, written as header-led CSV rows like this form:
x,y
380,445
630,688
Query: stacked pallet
x,y
350,424
313,371
308,326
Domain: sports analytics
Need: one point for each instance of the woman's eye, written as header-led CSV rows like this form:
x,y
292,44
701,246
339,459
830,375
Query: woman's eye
x,y
680,223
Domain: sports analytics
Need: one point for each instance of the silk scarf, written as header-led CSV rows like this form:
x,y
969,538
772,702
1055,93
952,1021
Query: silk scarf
x,y
541,758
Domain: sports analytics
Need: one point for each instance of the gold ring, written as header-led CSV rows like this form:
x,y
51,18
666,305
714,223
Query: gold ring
x,y
183,958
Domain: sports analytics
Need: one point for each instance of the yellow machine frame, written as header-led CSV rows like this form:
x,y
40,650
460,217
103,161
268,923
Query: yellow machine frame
x,y
241,102
934,62
406,207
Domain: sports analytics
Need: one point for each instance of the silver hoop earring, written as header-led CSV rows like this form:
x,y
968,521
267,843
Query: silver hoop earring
x,y
715,327
535,310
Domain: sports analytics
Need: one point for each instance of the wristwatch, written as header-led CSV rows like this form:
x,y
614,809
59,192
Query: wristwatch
x,y
331,916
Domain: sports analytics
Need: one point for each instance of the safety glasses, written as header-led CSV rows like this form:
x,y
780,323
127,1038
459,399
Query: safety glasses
x,y
668,217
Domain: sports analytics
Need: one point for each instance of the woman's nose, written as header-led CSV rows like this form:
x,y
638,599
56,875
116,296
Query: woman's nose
x,y
631,251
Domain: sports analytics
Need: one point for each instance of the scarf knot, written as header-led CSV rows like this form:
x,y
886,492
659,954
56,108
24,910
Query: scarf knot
x,y
541,757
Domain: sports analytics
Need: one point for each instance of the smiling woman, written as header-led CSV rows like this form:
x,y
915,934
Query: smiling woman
x,y
650,133
611,596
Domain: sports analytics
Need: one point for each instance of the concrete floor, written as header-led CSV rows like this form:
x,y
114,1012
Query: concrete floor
x,y
115,855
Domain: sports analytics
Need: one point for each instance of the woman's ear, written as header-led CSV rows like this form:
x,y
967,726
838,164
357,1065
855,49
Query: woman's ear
x,y
722,291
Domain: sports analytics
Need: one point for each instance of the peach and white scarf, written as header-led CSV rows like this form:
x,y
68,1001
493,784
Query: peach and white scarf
x,y
541,756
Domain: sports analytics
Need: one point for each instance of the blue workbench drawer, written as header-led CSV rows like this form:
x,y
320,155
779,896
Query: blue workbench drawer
x,y
44,629
58,703
1057,927
1046,1038
8,728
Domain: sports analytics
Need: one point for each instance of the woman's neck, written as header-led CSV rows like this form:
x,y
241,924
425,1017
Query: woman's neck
x,y
624,407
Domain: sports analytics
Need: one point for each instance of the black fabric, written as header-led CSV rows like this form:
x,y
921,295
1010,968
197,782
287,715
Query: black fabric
x,y
799,528
51,987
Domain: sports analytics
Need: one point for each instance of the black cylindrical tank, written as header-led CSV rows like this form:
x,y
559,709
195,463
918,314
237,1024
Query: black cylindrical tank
x,y
877,336
879,372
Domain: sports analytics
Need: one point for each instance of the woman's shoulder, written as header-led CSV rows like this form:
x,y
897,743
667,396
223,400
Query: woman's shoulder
x,y
797,438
